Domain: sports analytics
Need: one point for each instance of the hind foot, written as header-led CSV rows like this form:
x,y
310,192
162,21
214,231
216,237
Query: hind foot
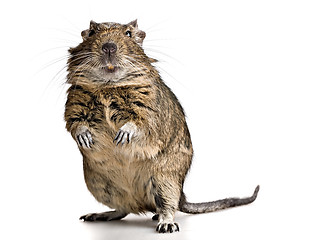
x,y
104,216
166,223
165,227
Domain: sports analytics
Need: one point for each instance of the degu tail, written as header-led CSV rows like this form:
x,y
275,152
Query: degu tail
x,y
213,206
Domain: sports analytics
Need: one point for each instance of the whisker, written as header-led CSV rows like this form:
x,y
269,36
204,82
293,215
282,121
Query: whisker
x,y
163,54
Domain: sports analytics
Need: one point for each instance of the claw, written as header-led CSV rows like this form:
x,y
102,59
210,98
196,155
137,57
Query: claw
x,y
119,137
84,138
125,133
90,138
130,136
125,138
80,140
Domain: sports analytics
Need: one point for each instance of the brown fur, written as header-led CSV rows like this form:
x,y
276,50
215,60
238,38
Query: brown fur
x,y
145,172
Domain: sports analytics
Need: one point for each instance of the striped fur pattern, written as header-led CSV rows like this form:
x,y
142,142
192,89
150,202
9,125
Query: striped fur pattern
x,y
129,126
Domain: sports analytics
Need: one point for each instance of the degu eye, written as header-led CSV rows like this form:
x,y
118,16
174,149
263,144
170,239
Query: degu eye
x,y
128,33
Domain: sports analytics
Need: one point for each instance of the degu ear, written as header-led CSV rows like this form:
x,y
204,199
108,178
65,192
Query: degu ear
x,y
93,27
134,23
139,35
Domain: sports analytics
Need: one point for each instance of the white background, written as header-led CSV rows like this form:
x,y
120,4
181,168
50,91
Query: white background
x,y
255,80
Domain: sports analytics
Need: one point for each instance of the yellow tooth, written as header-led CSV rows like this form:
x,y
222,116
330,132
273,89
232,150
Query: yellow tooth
x,y
110,66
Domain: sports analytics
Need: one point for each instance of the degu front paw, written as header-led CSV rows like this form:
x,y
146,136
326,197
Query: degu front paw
x,y
125,133
84,138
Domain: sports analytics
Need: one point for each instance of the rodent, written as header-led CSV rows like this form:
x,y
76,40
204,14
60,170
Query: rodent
x,y
130,129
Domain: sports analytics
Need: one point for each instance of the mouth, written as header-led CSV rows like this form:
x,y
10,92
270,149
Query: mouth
x,y
109,68
110,72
